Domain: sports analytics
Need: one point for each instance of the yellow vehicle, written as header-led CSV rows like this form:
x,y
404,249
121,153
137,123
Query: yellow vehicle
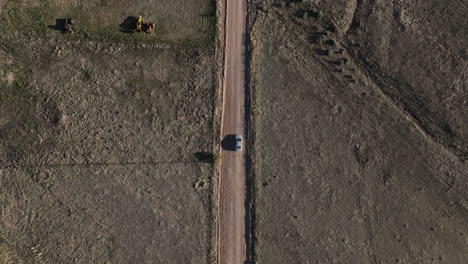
x,y
144,27
139,23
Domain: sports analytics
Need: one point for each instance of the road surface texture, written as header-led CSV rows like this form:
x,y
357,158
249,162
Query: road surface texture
x,y
232,246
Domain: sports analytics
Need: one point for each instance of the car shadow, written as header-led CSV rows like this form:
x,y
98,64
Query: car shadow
x,y
229,143
59,24
129,24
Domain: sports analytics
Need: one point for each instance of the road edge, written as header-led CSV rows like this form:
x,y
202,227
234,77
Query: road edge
x,y
218,125
250,150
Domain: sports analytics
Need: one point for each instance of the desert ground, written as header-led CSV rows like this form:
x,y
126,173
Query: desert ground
x,y
356,146
359,131
99,131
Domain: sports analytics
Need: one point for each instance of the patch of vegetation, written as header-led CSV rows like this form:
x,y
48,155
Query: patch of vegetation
x,y
108,34
24,108
18,103
21,17
30,21
87,75
207,35
216,157
190,48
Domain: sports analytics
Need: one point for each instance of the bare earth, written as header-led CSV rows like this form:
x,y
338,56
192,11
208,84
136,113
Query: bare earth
x,y
97,139
232,180
360,131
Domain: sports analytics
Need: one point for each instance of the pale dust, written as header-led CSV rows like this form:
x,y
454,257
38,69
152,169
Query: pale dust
x,y
10,78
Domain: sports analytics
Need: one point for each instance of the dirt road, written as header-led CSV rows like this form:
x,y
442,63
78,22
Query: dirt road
x,y
232,244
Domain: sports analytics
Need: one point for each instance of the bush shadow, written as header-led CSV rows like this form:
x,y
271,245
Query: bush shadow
x,y
207,157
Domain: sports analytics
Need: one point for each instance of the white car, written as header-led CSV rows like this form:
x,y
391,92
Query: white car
x,y
238,143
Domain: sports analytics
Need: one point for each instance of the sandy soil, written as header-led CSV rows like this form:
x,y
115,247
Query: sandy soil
x,y
347,169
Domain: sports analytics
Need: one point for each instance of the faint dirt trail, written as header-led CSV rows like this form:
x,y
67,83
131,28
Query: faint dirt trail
x,y
231,237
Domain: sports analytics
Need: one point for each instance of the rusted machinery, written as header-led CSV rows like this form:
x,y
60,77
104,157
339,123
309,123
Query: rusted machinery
x,y
69,26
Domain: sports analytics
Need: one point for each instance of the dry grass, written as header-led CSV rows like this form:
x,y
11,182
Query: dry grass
x,y
96,152
342,174
98,133
175,19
